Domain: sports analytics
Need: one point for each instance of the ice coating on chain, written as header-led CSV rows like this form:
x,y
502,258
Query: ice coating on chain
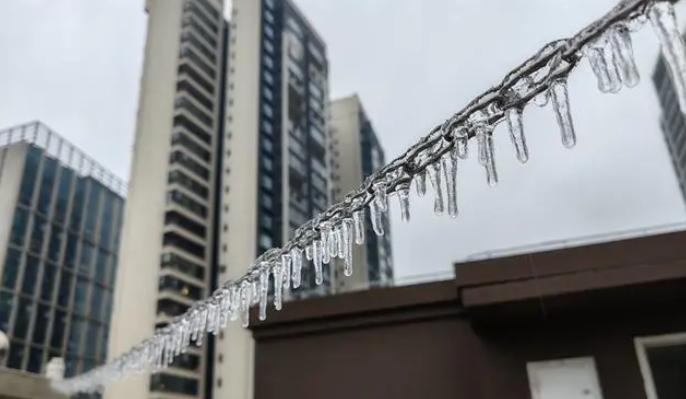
x,y
516,127
159,351
403,191
317,260
347,241
620,37
449,162
663,20
264,293
484,138
434,171
297,264
376,215
358,221
420,183
558,92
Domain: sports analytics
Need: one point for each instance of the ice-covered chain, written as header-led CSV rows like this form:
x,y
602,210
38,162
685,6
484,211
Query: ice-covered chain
x,y
541,79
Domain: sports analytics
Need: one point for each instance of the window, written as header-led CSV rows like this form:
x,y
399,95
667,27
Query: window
x,y
173,384
41,324
268,46
29,179
37,234
564,378
177,176
63,190
192,127
267,182
175,218
21,220
77,204
56,238
187,203
59,324
268,77
92,210
268,111
178,157
66,281
24,312
265,241
31,269
268,31
175,240
48,281
47,183
268,61
663,364
5,310
180,287
11,270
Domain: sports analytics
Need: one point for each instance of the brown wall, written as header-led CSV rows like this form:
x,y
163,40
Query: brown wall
x,y
424,342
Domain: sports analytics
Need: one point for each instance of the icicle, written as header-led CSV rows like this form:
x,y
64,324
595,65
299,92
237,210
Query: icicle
x,y
380,195
620,38
461,136
541,99
486,157
403,191
202,325
612,65
324,230
340,248
663,19
286,270
235,301
264,292
246,289
309,252
434,171
376,215
449,161
225,307
317,260
297,263
347,241
332,243
255,298
514,123
278,285
558,92
420,183
358,220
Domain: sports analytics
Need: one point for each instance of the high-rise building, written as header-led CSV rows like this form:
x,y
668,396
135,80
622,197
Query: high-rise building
x,y
276,173
61,218
169,235
355,154
672,121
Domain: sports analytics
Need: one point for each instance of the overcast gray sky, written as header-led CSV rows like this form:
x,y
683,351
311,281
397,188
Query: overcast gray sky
x,y
76,65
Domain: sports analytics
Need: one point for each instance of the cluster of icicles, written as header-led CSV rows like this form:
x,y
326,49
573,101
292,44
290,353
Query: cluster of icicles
x,y
611,58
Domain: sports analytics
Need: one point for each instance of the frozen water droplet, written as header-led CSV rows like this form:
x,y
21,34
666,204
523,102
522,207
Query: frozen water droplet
x,y
602,64
541,99
358,220
340,248
514,123
324,235
434,171
380,195
449,161
560,97
663,20
246,293
277,272
286,270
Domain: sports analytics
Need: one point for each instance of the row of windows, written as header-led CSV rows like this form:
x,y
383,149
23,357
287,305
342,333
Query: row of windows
x,y
187,203
173,384
179,138
190,22
177,262
183,103
189,70
192,127
180,287
175,218
189,163
183,243
186,87
192,7
177,176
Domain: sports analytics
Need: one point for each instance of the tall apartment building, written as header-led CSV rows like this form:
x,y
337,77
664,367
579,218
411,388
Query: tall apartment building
x,y
672,121
169,235
355,154
61,218
276,173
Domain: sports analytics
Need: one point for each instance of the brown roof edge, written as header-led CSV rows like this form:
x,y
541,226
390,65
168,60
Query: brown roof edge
x,y
356,304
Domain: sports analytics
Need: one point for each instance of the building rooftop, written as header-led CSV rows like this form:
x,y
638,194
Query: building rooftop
x,y
40,135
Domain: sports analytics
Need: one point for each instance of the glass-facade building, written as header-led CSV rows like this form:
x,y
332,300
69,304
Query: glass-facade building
x,y
293,176
58,249
672,121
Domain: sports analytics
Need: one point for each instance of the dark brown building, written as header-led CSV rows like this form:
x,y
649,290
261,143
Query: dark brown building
x,y
599,321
